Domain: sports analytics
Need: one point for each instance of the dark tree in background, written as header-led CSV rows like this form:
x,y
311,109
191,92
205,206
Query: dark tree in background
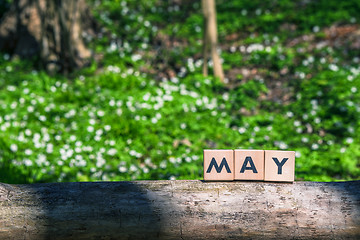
x,y
53,30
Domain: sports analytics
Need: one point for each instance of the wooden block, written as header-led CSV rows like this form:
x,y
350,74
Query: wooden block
x,y
249,164
279,166
218,165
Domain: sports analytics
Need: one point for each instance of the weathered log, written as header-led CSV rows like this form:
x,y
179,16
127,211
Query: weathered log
x,y
180,210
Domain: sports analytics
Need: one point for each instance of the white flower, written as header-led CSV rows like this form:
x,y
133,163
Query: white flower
x,y
112,151
333,67
122,169
41,159
100,113
30,109
13,147
100,162
87,148
49,148
69,153
28,162
304,139
183,126
133,153
77,149
90,128
80,163
172,160
28,152
11,88
314,146
107,127
154,120
242,130
133,168
351,129
225,96
42,118
349,140
92,121
72,138
163,164
283,145
135,57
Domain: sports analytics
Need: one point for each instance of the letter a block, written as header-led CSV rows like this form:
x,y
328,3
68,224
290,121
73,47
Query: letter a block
x,y
279,166
218,165
249,164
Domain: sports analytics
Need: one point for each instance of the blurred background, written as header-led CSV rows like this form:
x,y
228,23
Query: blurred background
x,y
115,90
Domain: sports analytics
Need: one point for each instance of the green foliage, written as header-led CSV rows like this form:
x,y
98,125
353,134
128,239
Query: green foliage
x,y
118,121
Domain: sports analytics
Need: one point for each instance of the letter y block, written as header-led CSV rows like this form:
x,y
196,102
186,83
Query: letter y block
x,y
218,165
279,166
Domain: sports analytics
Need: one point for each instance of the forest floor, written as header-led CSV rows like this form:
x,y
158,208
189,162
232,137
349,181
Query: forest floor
x,y
143,110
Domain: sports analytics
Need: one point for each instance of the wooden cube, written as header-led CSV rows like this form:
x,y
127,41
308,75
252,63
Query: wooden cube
x,y
279,166
218,165
249,164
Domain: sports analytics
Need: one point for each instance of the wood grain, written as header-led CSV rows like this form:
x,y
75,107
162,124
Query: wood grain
x,y
180,210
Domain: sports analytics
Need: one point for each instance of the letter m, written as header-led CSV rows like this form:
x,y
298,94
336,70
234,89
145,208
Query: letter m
x,y
218,169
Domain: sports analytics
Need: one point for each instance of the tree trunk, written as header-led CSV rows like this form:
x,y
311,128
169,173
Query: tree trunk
x,y
210,39
52,30
180,210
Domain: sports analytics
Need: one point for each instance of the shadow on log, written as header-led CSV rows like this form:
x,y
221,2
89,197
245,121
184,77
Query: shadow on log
x,y
180,210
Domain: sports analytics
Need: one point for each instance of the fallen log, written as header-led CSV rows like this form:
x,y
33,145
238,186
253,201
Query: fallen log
x,y
180,210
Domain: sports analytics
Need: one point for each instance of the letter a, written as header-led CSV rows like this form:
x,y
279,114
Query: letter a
x,y
218,168
252,165
280,164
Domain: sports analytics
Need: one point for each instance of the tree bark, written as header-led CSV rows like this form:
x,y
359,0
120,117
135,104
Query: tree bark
x,y
180,210
210,39
51,30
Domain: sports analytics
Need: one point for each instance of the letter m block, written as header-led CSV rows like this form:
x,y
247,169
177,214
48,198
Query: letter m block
x,y
218,165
